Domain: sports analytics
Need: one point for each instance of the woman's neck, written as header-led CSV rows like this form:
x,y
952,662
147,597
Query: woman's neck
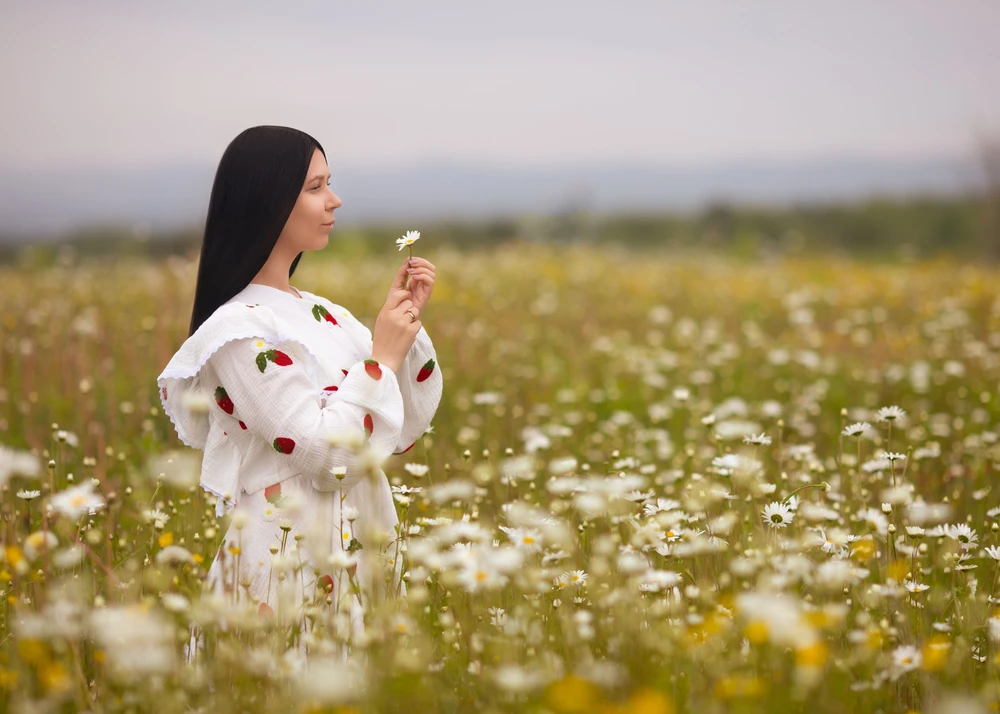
x,y
277,280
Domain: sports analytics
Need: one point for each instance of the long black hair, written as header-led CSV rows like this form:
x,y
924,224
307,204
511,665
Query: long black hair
x,y
256,186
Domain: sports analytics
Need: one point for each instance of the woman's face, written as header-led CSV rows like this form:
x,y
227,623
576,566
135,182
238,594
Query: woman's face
x,y
311,220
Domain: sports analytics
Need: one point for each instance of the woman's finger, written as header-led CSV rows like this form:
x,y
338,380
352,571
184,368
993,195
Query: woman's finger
x,y
422,280
421,263
397,296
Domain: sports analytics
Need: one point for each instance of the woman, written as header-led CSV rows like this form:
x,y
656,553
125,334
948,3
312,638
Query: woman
x,y
295,403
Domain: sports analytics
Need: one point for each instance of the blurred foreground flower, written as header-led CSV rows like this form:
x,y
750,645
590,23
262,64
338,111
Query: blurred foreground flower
x,y
18,463
137,641
178,468
76,501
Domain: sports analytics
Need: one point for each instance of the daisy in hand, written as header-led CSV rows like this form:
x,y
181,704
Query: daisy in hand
x,y
408,239
419,272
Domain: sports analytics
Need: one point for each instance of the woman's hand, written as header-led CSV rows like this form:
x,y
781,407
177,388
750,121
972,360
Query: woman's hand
x,y
395,331
421,272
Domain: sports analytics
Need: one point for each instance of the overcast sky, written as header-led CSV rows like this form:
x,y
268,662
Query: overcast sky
x,y
510,83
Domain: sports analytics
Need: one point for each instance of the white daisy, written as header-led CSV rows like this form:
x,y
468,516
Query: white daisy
x,y
890,414
555,557
261,346
658,580
156,517
486,568
28,495
498,617
876,519
174,602
527,539
76,501
409,238
905,658
39,542
777,514
961,532
174,555
857,429
662,504
18,463
417,470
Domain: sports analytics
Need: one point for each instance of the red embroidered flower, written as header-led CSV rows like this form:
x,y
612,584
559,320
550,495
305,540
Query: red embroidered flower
x,y
369,425
273,493
325,583
425,371
265,610
281,359
373,370
331,388
163,391
276,356
321,313
284,445
223,400
243,426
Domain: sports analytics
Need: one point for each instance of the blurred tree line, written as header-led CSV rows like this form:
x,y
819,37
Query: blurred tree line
x,y
967,228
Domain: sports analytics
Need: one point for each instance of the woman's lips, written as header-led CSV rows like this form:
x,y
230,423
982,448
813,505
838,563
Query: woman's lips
x,y
330,224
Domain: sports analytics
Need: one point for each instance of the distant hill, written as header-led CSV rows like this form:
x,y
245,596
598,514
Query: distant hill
x,y
46,202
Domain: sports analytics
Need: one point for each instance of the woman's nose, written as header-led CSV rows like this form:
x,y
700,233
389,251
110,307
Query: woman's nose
x,y
337,203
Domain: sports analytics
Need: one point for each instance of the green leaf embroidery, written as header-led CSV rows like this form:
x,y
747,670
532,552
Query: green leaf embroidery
x,y
261,361
354,545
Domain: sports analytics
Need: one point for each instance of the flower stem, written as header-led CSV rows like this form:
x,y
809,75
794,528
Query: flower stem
x,y
823,485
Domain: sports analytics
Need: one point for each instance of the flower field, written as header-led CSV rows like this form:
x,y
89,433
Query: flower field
x,y
655,484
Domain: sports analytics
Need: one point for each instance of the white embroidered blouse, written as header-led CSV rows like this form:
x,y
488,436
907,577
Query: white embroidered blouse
x,y
285,376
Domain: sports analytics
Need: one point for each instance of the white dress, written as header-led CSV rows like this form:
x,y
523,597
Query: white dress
x,y
263,386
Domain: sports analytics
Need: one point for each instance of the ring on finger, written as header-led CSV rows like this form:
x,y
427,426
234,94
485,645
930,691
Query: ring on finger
x,y
412,316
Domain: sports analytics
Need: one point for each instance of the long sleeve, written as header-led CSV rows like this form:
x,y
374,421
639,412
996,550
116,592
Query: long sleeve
x,y
267,389
420,384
